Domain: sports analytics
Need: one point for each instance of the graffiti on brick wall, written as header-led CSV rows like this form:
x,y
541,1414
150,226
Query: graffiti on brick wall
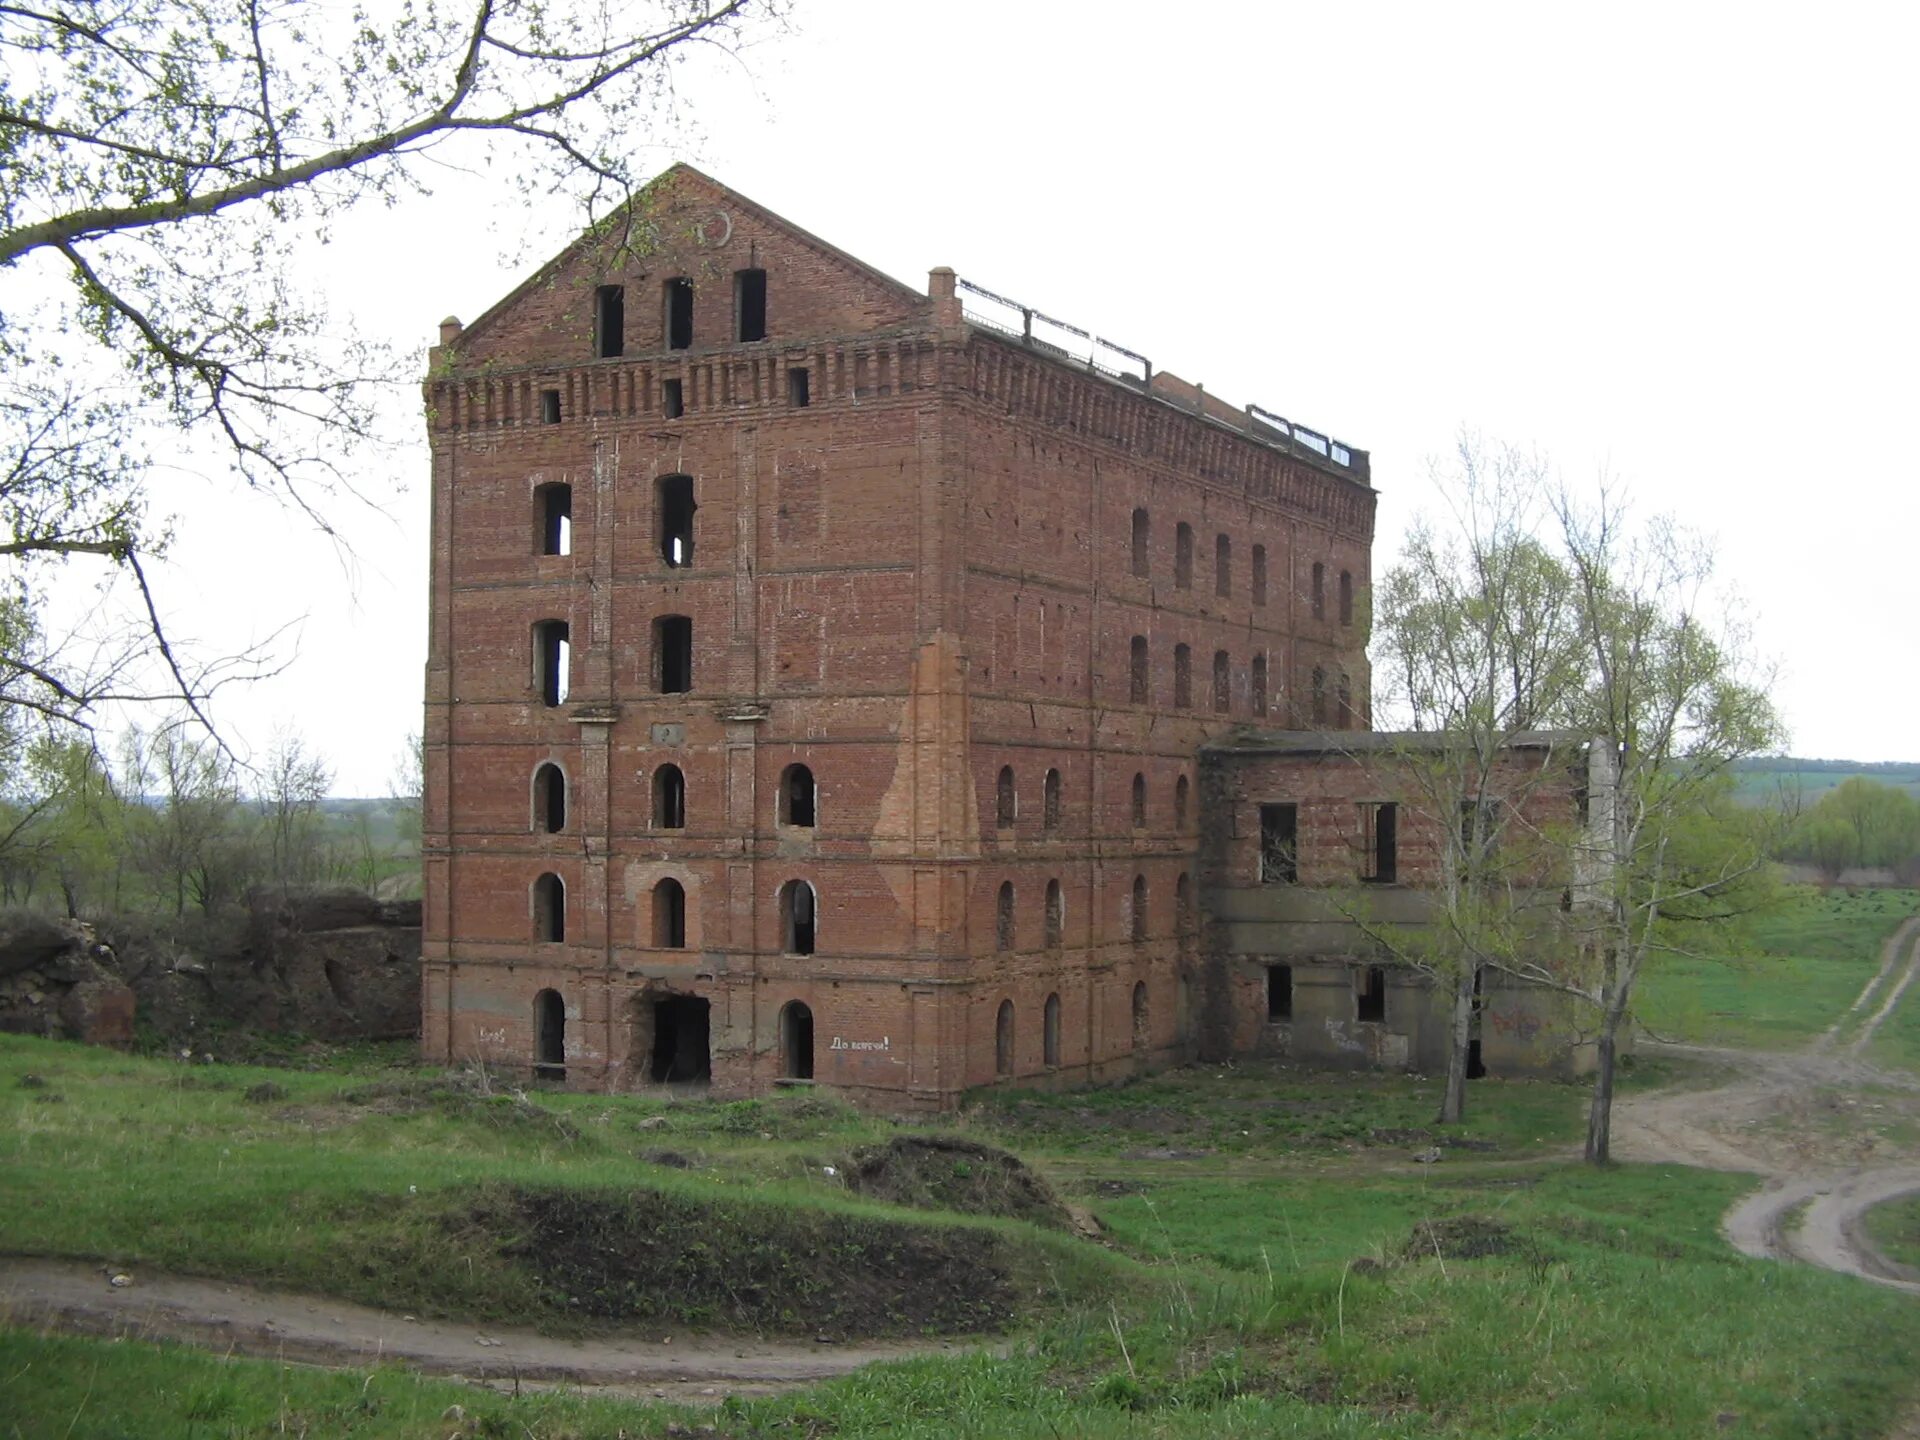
x,y
885,1042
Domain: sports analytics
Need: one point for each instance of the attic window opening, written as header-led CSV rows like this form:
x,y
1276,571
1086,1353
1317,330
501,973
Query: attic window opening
x,y
673,654
610,321
553,506
674,497
549,407
797,387
672,399
750,305
678,298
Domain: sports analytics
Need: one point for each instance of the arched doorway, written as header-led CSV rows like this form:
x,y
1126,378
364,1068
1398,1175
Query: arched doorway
x,y
549,1036
796,1041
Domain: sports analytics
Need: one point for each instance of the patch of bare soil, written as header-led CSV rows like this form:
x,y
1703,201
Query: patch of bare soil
x,y
944,1172
240,1319
1822,1127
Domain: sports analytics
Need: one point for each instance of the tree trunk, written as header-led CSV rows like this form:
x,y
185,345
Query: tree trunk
x,y
1600,1114
1453,1105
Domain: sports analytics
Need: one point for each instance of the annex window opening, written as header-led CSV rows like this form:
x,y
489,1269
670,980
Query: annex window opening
x,y
1380,842
673,502
677,299
749,305
669,798
553,513
673,654
1280,844
610,321
552,662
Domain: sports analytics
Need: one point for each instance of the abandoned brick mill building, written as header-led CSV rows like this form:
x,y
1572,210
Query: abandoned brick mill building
x,y
819,671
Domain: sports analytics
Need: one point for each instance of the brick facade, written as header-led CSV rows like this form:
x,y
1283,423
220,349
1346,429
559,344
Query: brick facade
x,y
911,566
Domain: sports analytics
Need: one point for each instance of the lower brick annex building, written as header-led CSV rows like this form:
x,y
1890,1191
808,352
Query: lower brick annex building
x,y
820,671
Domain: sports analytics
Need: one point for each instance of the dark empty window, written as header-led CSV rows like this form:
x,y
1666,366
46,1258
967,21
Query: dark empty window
x,y
1050,1040
1279,992
610,321
1183,556
550,908
669,798
1183,904
673,654
1346,597
1050,802
1003,917
553,512
549,407
1142,537
673,399
1180,792
1137,670
798,394
549,799
549,1035
552,660
1137,910
1279,844
670,915
1003,1039
1370,994
1005,799
1259,575
749,305
796,1041
678,300
1319,591
674,501
1182,677
1139,801
797,797
1345,696
1258,684
1222,566
1056,915
1319,696
1380,842
1222,682
797,906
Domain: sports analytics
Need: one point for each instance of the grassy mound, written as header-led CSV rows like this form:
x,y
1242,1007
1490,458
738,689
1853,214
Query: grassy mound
x,y
943,1172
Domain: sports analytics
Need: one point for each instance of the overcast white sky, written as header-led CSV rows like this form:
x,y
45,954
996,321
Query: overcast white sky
x,y
1677,243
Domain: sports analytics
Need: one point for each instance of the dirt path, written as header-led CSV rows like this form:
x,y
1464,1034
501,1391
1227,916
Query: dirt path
x,y
1806,1122
239,1319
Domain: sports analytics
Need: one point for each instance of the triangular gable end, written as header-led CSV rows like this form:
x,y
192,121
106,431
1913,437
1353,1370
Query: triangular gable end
x,y
684,225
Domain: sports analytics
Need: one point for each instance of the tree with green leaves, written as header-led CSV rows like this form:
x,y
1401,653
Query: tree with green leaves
x,y
161,163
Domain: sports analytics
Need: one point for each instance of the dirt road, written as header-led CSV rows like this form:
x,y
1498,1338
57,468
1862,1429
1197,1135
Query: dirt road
x,y
1815,1124
240,1319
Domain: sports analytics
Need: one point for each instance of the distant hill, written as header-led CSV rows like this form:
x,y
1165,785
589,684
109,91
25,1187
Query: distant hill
x,y
1761,780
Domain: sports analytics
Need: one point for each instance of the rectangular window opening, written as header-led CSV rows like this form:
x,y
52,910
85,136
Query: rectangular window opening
x,y
1279,844
1370,994
750,305
1279,992
797,388
1380,847
673,654
610,321
552,659
549,407
678,299
556,519
671,403
676,520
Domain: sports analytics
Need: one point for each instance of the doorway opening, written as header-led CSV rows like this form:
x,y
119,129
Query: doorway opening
x,y
796,1041
682,1049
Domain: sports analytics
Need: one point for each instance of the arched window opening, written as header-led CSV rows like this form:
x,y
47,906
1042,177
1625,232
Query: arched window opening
x,y
1050,802
1137,911
550,909
677,298
798,906
1319,696
1183,556
549,1035
1346,597
1056,915
1005,800
1003,1039
1222,682
553,513
1003,918
1139,801
1181,790
796,1041
673,495
549,799
1050,1036
1259,574
1137,671
797,797
552,662
1183,904
669,798
673,654
1345,695
1222,566
1319,591
1182,677
1142,540
1259,684
1140,1031
670,915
